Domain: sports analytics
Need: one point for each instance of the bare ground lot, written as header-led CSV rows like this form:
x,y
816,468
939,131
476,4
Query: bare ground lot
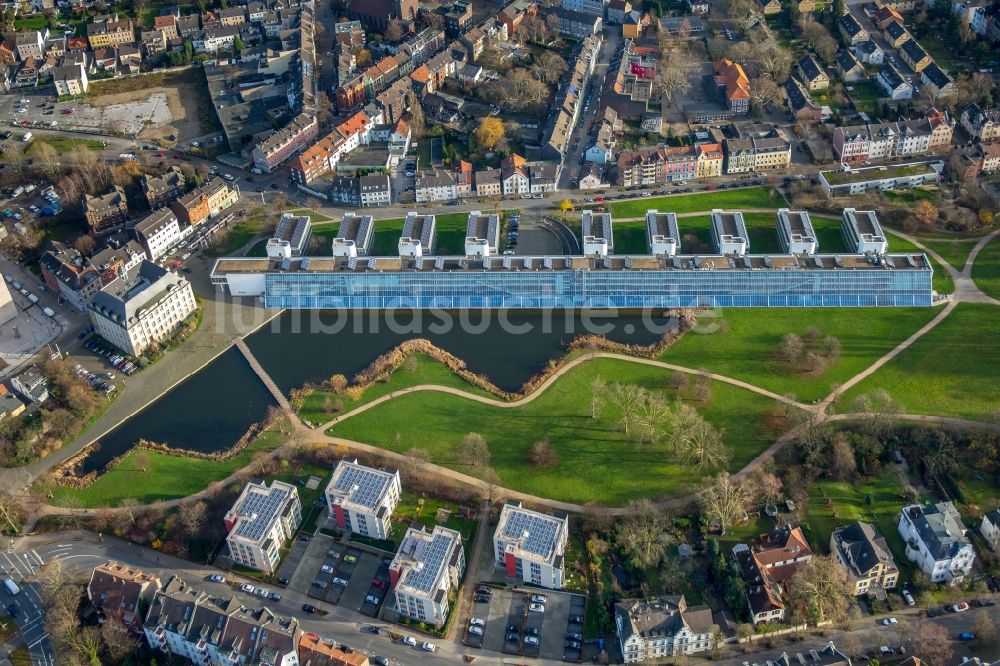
x,y
160,105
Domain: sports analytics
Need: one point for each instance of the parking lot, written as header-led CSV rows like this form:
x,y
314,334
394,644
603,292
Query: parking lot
x,y
339,574
532,623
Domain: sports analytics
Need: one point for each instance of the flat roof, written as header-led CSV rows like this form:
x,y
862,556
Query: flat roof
x,y
841,177
359,485
425,554
535,533
662,224
258,507
597,225
797,223
419,227
357,229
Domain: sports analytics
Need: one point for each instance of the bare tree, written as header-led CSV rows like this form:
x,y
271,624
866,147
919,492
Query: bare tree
x,y
418,457
627,398
128,505
640,534
726,500
118,640
598,396
705,447
764,91
191,516
818,591
11,514
474,454
843,465
672,79
652,417
543,454
877,410
394,31
767,486
932,642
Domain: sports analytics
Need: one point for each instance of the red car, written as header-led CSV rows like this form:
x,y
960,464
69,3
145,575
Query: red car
x,y
159,154
598,198
379,584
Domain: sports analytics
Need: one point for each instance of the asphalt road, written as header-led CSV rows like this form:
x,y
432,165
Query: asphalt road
x,y
30,613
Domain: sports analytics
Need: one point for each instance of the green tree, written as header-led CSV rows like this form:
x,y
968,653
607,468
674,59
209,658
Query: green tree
x,y
238,44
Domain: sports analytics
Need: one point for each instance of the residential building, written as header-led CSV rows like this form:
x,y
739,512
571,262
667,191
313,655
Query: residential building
x,y
989,528
862,232
204,202
121,592
893,83
653,166
578,25
767,565
729,232
869,53
281,145
982,124
419,236
733,84
106,210
376,14
374,190
10,406
66,272
699,7
796,233
353,239
482,234
914,55
361,499
812,74
878,141
488,183
592,177
662,233
31,385
617,11
653,629
895,34
514,176
864,554
883,16
753,154
167,24
434,185
110,31
710,158
113,259
937,83
850,181
291,237
232,16
142,307
260,522
214,631
30,43
158,232
162,189
936,541
633,24
315,650
531,546
595,7
849,67
852,31
828,656
70,80
769,7
426,573
801,105
989,158
595,230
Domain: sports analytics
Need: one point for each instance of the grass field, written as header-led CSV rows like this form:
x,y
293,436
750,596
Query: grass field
x,y
63,144
986,270
942,282
425,370
166,477
588,448
31,23
750,197
832,504
954,253
954,370
748,349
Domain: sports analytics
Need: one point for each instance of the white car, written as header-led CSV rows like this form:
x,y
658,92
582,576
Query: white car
x,y
536,608
476,631
908,598
340,581
215,578
890,620
477,622
409,640
246,587
531,640
428,647
538,598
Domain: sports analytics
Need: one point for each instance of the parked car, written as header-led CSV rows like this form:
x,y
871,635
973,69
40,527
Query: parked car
x,y
340,581
908,598
572,645
428,647
409,640
538,599
274,596
531,640
246,587
260,592
215,578
985,602
372,599
372,629
966,636
477,622
574,636
513,628
476,631
890,620
960,607
308,608
482,599
326,568
934,612
378,660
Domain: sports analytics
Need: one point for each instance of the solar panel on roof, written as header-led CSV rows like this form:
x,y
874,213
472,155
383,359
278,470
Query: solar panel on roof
x,y
260,508
536,532
362,485
432,555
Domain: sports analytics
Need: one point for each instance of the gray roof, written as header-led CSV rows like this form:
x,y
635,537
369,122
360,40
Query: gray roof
x,y
660,616
850,25
124,298
862,547
936,75
155,221
895,30
810,68
891,76
359,485
940,528
913,50
847,60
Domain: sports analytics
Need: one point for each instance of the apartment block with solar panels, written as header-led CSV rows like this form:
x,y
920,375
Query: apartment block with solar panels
x,y
260,522
361,499
530,546
425,571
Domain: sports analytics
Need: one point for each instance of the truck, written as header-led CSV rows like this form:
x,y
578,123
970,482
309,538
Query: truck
x,y
11,587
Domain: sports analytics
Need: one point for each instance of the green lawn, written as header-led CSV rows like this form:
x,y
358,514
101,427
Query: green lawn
x,y
986,270
865,95
166,477
385,239
318,406
747,345
36,22
64,144
832,504
942,282
954,370
954,253
750,197
588,448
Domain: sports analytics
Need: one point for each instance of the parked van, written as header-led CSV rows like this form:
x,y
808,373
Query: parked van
x,y
11,587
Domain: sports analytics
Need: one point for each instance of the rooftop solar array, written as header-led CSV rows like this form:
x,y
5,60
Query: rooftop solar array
x,y
360,485
536,532
432,555
259,509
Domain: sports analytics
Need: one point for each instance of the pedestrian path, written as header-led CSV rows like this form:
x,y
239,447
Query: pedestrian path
x,y
265,378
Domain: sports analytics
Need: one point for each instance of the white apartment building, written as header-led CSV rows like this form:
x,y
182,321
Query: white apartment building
x,y
434,186
936,541
70,80
650,629
530,546
362,499
862,232
796,232
419,235
482,234
144,305
425,571
729,232
596,230
158,232
216,631
989,528
260,522
662,233
596,7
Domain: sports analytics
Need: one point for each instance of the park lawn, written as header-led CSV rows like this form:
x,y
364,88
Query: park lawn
x,y
986,270
239,234
955,253
942,282
311,511
746,347
63,144
748,197
953,370
589,449
912,195
425,371
849,502
166,476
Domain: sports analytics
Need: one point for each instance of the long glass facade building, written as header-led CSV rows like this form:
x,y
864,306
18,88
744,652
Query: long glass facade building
x,y
899,280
